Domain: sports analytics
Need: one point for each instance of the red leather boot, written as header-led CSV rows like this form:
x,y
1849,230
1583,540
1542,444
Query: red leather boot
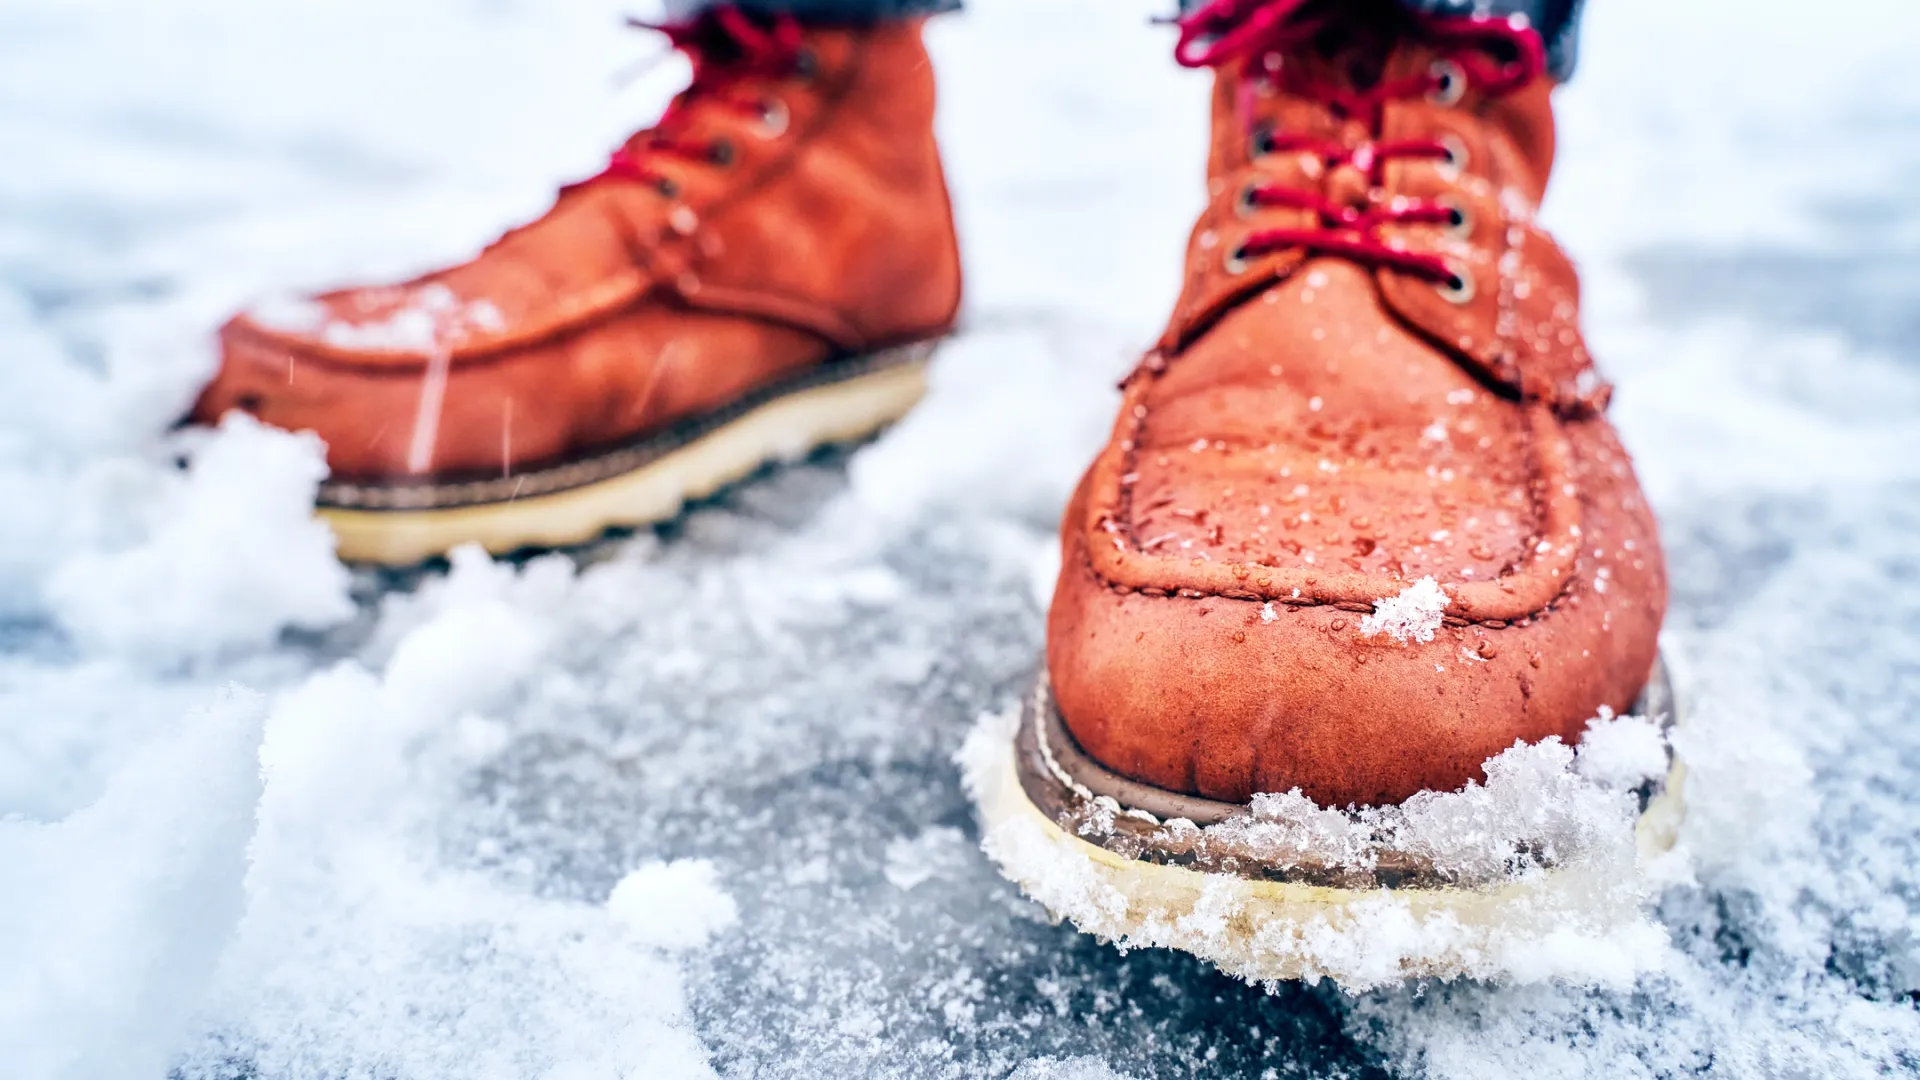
x,y
763,271
1362,523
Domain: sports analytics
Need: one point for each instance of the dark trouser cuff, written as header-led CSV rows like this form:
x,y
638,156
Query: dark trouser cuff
x,y
1558,21
831,11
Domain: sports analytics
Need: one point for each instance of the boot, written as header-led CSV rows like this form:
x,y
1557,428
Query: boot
x,y
764,271
1361,524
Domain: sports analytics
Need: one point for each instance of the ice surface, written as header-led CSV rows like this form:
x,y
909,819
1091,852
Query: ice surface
x,y
932,854
1075,1068
461,770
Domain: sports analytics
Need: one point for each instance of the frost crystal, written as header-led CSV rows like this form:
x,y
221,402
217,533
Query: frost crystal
x,y
1414,615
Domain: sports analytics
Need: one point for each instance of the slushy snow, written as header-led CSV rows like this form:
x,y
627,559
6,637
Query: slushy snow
x,y
395,854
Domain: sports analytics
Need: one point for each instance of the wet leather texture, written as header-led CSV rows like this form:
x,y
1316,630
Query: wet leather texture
x,y
1313,435
825,232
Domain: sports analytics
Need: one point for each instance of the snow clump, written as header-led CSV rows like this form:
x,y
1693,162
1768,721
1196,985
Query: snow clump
x,y
1546,854
672,905
1413,615
233,555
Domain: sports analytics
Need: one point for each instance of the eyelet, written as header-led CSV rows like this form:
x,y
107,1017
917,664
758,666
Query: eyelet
x,y
805,65
1260,144
1457,289
667,188
1235,261
1247,203
1459,222
1449,83
774,118
721,152
1455,162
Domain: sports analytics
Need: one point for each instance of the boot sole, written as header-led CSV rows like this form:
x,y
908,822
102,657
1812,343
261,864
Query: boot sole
x,y
1139,878
646,481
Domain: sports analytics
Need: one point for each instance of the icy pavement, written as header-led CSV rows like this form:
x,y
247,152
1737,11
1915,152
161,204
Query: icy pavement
x,y
686,802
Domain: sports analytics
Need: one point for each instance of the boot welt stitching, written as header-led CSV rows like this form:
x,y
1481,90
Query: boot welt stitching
x,y
1171,836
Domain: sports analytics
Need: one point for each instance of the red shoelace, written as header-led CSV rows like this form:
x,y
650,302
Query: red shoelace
x,y
726,47
1260,32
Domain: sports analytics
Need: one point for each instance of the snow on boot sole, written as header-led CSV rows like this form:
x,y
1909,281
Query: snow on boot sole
x,y
1138,877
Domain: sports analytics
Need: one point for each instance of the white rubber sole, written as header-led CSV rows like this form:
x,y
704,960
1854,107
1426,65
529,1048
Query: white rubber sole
x,y
1575,924
785,428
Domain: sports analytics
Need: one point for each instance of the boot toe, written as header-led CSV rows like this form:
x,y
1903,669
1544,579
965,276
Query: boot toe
x,y
362,417
1225,697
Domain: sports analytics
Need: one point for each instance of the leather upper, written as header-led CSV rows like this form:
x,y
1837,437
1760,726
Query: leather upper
x,y
1314,435
823,230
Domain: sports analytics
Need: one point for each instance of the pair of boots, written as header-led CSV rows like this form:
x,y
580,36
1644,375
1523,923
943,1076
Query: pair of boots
x,y
1361,523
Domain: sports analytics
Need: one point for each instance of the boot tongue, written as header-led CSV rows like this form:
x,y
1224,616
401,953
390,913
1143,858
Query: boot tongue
x,y
1430,193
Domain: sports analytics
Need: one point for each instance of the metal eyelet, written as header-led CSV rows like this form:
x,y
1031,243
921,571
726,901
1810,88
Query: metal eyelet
x,y
1247,203
1458,288
1459,222
1455,162
1260,144
1235,261
774,118
1449,83
721,153
806,64
667,188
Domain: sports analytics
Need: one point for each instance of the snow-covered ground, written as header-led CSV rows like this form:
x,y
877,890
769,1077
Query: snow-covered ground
x,y
686,802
